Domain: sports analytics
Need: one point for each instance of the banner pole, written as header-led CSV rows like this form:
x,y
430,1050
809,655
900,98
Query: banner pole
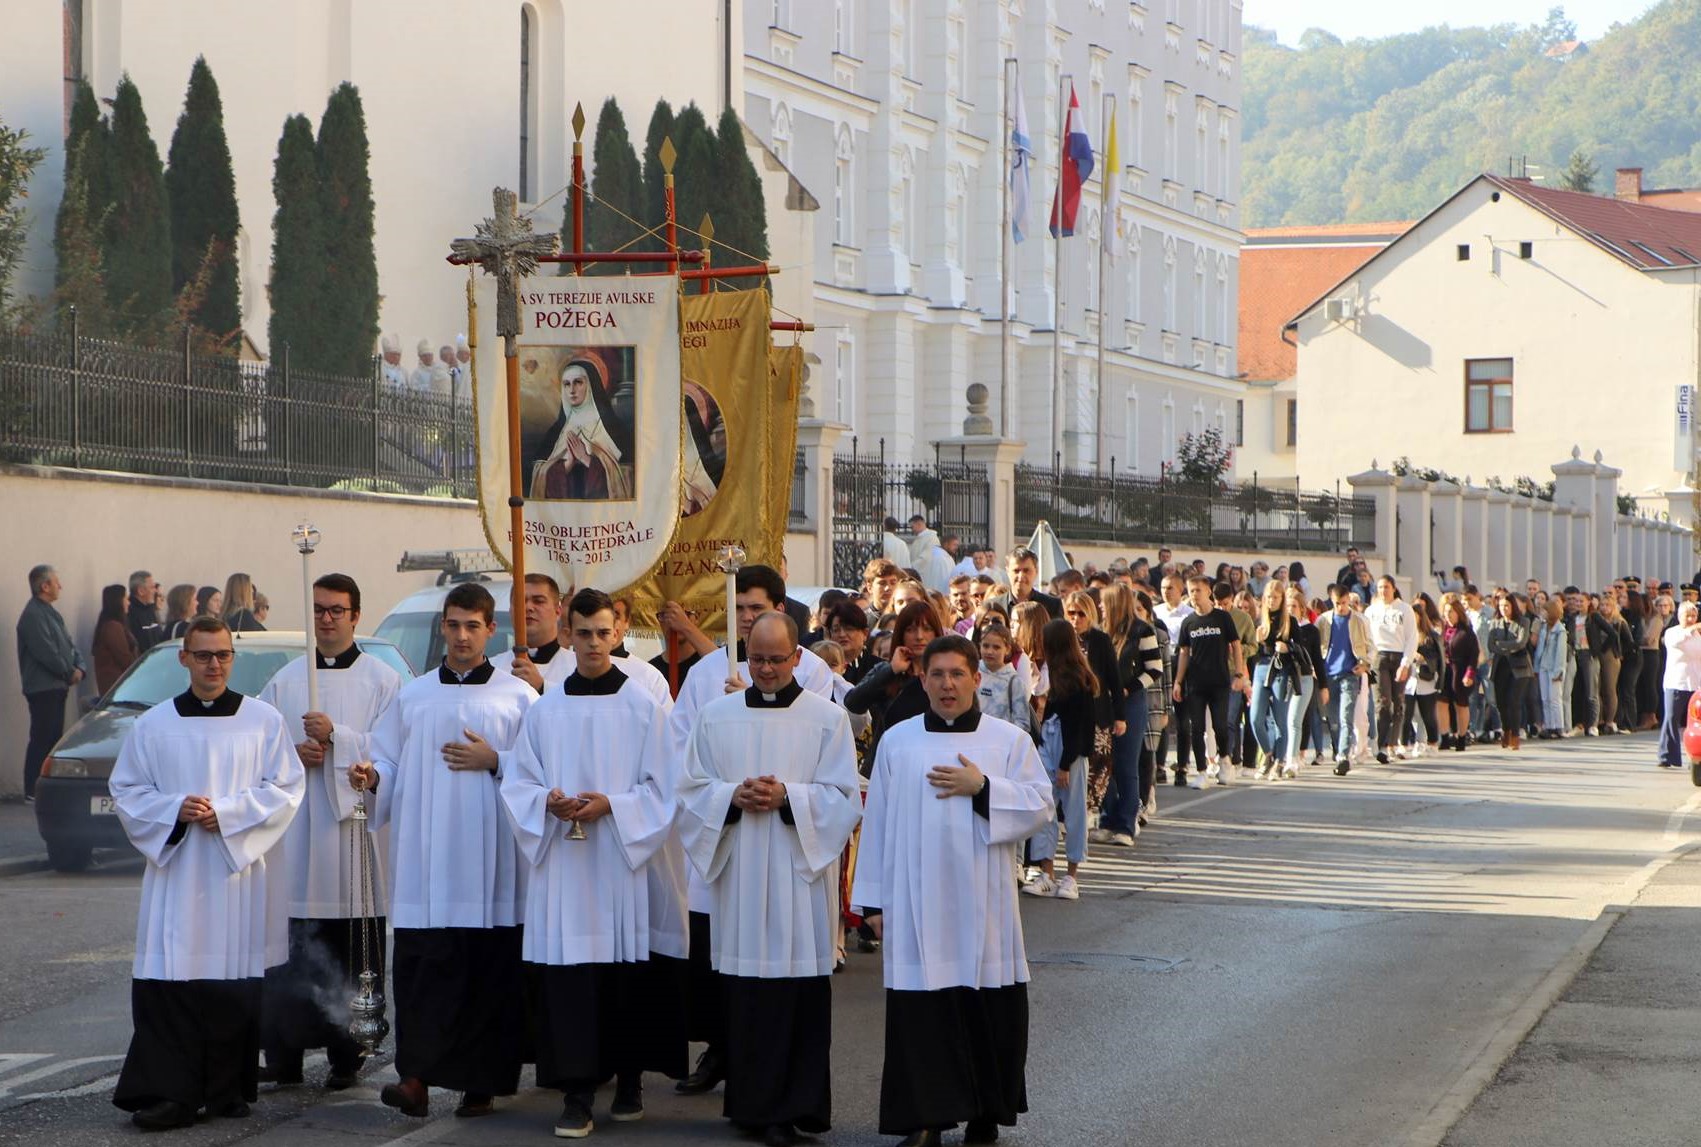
x,y
578,192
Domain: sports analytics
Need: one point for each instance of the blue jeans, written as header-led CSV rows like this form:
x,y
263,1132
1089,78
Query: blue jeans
x,y
1671,729
1071,800
1343,700
1122,798
1299,703
1269,717
1485,714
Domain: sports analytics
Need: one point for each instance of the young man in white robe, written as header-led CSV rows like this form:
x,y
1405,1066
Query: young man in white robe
x,y
760,590
594,753
768,846
951,799
454,868
205,785
312,879
546,663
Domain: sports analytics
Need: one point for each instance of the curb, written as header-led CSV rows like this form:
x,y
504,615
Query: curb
x,y
23,866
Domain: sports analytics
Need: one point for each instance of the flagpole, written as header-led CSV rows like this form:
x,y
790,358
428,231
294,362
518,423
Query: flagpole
x,y
1107,224
1006,254
1063,83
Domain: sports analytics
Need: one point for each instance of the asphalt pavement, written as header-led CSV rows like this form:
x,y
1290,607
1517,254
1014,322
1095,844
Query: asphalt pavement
x,y
1322,961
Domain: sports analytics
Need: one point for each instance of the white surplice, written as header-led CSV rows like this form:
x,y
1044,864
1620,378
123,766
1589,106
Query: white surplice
x,y
203,913
314,871
943,875
587,901
453,860
706,682
774,884
557,669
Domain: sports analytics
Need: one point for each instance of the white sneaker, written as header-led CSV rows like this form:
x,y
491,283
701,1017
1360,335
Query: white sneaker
x,y
1290,770
1267,769
1591,732
1124,839
1196,780
1098,836
1041,885
1400,753
1066,888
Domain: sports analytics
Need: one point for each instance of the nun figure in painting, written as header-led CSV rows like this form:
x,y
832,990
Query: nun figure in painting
x,y
586,455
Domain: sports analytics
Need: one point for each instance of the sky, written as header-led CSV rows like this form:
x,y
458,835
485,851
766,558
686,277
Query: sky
x,y
1354,19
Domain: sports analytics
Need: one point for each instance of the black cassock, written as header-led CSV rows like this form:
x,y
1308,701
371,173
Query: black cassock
x,y
459,1008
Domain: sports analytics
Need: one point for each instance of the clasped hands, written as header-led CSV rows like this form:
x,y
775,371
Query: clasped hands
x,y
583,808
760,794
198,810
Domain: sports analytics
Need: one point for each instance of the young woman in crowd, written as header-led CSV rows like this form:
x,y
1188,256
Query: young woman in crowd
x,y
1158,707
239,604
179,611
1303,717
1139,664
1511,667
1611,645
1275,677
1066,746
891,692
1551,648
114,645
1424,683
1082,613
1658,613
1030,618
1459,654
1630,669
209,601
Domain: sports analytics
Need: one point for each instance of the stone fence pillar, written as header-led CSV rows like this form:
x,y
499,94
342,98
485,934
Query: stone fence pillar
x,y
1416,560
1473,541
1497,535
1520,538
1448,536
1378,485
818,438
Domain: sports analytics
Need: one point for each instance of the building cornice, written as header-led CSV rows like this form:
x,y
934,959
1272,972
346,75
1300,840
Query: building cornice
x,y
797,84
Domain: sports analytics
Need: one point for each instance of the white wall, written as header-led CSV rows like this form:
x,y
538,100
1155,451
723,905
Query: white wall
x,y
31,98
1599,349
96,528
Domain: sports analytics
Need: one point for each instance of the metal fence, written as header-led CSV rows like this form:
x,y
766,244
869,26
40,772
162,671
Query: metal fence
x,y
799,515
1113,510
954,496
67,400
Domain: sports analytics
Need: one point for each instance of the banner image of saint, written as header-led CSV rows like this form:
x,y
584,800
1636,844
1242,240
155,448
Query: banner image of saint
x,y
705,449
585,452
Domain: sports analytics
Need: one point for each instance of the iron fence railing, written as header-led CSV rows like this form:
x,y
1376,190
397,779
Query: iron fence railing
x,y
69,400
1116,510
955,496
799,515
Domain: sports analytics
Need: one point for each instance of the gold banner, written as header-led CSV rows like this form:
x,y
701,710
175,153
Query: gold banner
x,y
740,441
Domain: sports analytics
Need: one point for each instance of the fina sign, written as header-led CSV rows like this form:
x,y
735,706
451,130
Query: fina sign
x,y
1685,453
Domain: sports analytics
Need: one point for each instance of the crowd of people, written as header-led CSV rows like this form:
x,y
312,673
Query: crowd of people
x,y
443,373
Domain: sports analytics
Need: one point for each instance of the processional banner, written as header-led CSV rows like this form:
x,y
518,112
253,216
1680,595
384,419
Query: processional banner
x,y
600,458
739,442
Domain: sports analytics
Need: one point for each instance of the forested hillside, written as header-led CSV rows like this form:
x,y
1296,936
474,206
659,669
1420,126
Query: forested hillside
x,y
1385,129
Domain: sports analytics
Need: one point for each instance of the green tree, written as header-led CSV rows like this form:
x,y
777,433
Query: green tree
x,y
1580,172
80,224
661,127
18,162
202,190
298,239
694,174
741,216
348,326
137,247
617,188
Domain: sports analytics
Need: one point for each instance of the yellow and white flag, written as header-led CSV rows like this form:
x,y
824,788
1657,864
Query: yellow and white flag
x,y
1110,214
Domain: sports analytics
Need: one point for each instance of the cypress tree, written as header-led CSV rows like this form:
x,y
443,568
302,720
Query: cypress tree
x,y
617,188
298,270
741,217
349,323
661,127
137,247
80,225
202,190
694,174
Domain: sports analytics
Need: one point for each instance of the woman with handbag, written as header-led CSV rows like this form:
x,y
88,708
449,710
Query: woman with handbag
x,y
1082,613
1139,663
1066,745
1274,678
1510,667
1158,702
1307,659
1459,653
1423,686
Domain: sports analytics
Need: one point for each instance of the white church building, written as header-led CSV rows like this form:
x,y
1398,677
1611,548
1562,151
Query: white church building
x,y
885,135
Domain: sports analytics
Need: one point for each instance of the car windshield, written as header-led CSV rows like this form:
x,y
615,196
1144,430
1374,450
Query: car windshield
x,y
159,676
417,636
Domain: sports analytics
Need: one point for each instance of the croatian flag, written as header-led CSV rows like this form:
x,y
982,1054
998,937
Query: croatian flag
x,y
1075,168
1021,159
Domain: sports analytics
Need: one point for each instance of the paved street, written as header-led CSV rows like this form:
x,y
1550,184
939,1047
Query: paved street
x,y
1328,961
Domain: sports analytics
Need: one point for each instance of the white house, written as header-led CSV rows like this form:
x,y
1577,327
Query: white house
x,y
891,113
1511,323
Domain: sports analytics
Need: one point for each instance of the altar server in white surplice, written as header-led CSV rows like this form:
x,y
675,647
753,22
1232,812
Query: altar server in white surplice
x,y
546,663
594,753
952,796
769,799
760,590
455,894
205,786
311,873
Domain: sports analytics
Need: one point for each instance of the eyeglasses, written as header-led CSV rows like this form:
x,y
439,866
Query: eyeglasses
x,y
759,662
208,656
334,612
1073,613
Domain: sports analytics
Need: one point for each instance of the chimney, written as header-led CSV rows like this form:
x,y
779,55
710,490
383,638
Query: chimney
x,y
1627,184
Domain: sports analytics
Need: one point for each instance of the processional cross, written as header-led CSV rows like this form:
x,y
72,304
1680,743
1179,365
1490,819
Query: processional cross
x,y
506,246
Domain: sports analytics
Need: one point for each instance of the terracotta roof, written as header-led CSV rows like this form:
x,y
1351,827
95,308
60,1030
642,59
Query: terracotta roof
x,y
1280,272
1672,199
1649,238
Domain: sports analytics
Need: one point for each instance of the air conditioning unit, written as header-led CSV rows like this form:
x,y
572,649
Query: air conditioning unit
x,y
1338,310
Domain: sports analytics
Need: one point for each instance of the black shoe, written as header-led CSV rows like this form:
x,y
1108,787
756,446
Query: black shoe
x,y
342,1080
234,1109
281,1075
1382,756
164,1116
1460,744
708,1075
1343,767
981,1131
928,1138
410,1097
628,1105
1445,743
1180,782
779,1135
474,1104
575,1121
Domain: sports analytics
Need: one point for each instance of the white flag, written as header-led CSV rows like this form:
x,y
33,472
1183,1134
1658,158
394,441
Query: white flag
x,y
1021,156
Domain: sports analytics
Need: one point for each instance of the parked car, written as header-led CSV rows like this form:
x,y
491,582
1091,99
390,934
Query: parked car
x,y
74,811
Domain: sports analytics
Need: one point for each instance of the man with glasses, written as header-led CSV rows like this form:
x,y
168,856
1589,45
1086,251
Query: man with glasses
x,y
205,786
311,868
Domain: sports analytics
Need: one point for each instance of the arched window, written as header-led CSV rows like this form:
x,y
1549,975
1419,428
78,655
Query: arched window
x,y
844,191
528,103
1131,430
782,134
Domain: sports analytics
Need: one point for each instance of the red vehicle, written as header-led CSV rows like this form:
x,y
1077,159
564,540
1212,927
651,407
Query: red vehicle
x,y
1692,739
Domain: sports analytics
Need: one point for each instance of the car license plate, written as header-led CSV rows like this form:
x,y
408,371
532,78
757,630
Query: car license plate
x,y
103,806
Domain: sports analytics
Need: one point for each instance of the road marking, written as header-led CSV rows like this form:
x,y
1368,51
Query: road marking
x,y
1674,823
92,1087
17,1081
10,1061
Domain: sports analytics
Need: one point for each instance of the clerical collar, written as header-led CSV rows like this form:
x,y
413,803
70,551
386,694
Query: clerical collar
x,y
578,685
224,705
754,698
967,723
544,654
619,651
479,675
341,661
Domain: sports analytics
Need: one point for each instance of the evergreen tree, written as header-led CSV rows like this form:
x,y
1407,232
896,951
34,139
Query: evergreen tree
x,y
349,308
1580,172
694,174
741,217
80,223
18,162
617,188
137,247
298,268
661,127
202,190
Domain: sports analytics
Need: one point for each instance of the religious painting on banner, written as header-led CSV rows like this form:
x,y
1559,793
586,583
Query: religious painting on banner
x,y
600,429
739,441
